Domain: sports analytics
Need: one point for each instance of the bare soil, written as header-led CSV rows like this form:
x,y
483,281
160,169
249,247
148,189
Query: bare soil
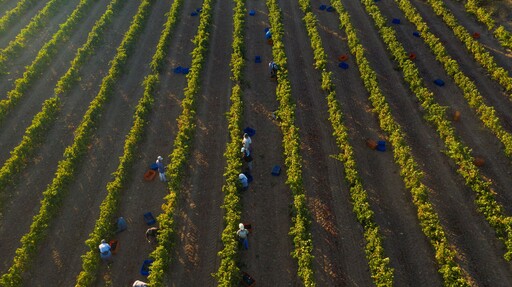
x,y
337,236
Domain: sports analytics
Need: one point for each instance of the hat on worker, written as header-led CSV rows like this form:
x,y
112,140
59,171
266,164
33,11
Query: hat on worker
x,y
103,241
160,158
243,149
241,226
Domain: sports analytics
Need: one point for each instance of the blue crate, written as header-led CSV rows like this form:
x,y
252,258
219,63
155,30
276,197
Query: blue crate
x,y
144,269
381,146
185,71
194,14
153,166
322,7
257,59
439,82
276,170
252,12
178,70
149,218
395,21
330,9
198,10
343,65
416,34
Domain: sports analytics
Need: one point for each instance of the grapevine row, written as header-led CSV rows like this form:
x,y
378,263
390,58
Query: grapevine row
x,y
44,58
55,192
479,53
36,132
179,155
299,231
229,272
108,208
382,273
468,87
436,115
485,16
409,168
34,26
13,15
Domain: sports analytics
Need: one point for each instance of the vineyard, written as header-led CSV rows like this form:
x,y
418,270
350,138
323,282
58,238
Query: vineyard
x,y
390,122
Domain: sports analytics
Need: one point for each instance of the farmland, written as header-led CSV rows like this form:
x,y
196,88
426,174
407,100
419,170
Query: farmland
x,y
92,91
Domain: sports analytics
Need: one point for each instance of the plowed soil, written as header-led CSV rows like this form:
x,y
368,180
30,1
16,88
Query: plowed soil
x,y
339,254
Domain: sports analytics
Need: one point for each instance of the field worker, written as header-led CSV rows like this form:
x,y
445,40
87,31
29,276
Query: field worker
x,y
152,233
242,235
105,253
244,181
161,168
273,67
246,141
139,283
121,224
246,155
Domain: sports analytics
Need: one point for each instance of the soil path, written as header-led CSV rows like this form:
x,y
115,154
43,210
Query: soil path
x,y
199,216
139,196
88,191
16,65
20,22
266,205
19,209
13,128
410,252
455,46
466,229
480,139
336,234
470,22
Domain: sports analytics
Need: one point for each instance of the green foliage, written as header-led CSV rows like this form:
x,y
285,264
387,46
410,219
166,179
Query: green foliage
x,y
483,57
299,231
36,132
44,58
55,192
108,208
381,272
36,24
229,272
471,93
455,149
182,143
12,15
409,168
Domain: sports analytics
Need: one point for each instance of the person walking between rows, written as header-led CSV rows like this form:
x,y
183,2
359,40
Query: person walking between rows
x,y
246,155
242,236
105,253
161,168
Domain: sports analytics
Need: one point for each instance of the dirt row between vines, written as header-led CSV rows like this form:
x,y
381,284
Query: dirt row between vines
x,y
481,254
25,197
337,237
199,217
266,205
22,21
16,65
13,127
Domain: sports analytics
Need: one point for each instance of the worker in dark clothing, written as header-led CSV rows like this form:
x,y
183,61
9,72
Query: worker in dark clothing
x,y
273,67
152,233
